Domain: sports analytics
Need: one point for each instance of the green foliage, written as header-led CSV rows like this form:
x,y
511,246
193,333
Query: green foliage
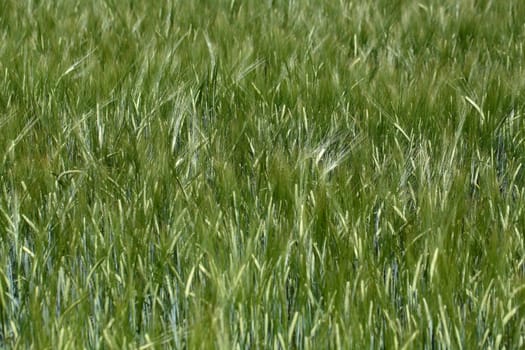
x,y
264,174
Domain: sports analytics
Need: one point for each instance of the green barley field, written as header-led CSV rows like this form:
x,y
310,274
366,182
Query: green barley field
x,y
301,174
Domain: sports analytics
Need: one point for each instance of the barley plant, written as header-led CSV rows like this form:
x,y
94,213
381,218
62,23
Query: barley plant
x,y
278,174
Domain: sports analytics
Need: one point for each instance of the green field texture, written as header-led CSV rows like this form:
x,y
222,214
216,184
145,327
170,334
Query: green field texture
x,y
301,174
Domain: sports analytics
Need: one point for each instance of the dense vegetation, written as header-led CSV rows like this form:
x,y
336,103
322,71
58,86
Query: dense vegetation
x,y
262,174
